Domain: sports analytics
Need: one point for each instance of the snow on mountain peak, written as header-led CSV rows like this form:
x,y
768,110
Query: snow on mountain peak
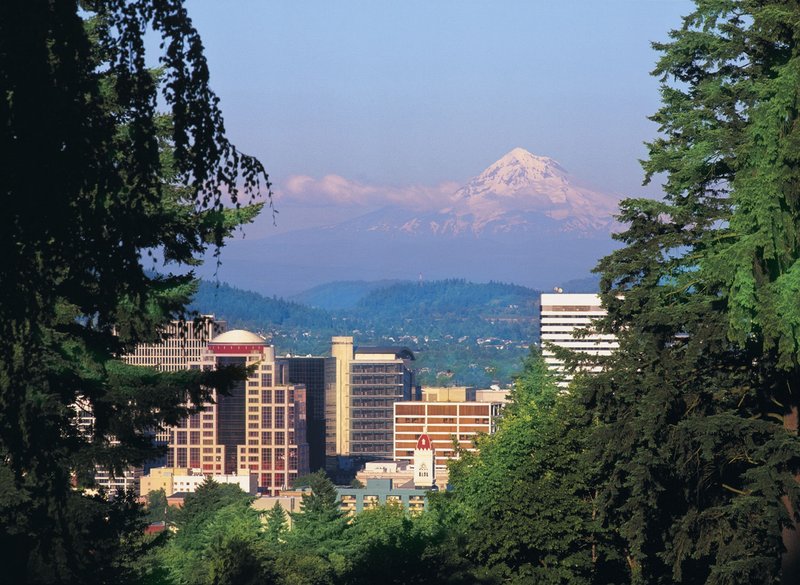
x,y
521,182
515,171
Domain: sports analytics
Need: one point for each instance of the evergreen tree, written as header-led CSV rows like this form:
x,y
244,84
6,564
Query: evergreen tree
x,y
276,524
697,436
95,180
525,502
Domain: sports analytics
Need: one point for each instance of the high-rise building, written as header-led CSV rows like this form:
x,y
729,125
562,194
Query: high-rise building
x,y
257,427
362,386
182,344
310,372
562,316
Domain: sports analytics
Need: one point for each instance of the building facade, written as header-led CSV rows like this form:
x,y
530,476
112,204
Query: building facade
x,y
362,386
562,316
258,427
183,343
310,372
185,480
443,423
380,492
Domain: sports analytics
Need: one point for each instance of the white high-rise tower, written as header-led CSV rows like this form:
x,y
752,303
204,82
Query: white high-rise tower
x,y
561,316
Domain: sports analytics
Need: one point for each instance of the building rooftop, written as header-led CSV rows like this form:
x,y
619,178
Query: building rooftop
x,y
401,352
239,336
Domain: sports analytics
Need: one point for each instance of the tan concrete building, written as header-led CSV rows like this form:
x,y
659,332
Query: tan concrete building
x,y
184,480
362,385
259,427
449,394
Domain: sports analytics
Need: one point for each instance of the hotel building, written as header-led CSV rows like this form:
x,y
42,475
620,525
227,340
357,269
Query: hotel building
x,y
258,427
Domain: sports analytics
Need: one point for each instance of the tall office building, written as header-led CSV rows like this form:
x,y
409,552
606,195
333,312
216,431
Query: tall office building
x,y
310,372
182,344
258,427
562,315
362,387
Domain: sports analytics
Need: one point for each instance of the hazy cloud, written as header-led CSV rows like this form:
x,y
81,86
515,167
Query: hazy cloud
x,y
339,191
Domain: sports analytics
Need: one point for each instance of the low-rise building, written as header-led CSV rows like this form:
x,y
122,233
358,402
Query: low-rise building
x,y
450,426
379,492
180,479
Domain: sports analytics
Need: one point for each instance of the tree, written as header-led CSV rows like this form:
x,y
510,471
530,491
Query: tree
x,y
323,496
276,523
315,548
95,181
220,541
697,433
525,502
158,508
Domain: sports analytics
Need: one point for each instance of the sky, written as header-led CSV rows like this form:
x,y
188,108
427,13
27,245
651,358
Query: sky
x,y
400,94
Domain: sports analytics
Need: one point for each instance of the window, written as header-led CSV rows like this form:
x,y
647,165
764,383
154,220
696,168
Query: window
x,y
280,438
266,438
266,457
280,416
266,416
266,380
280,396
180,439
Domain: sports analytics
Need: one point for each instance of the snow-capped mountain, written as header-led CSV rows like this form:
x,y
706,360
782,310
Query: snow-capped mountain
x,y
524,219
519,192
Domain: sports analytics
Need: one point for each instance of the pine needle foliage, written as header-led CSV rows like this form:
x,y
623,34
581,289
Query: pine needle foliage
x,y
697,411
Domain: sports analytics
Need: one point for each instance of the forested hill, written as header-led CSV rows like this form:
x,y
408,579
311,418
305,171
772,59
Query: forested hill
x,y
249,310
461,332
454,308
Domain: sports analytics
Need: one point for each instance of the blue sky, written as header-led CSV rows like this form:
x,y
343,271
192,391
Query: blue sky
x,y
419,93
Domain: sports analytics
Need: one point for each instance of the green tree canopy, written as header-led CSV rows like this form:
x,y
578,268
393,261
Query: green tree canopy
x,y
697,439
526,500
96,182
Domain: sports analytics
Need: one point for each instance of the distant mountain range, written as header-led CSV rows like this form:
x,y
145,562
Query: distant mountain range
x,y
524,219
